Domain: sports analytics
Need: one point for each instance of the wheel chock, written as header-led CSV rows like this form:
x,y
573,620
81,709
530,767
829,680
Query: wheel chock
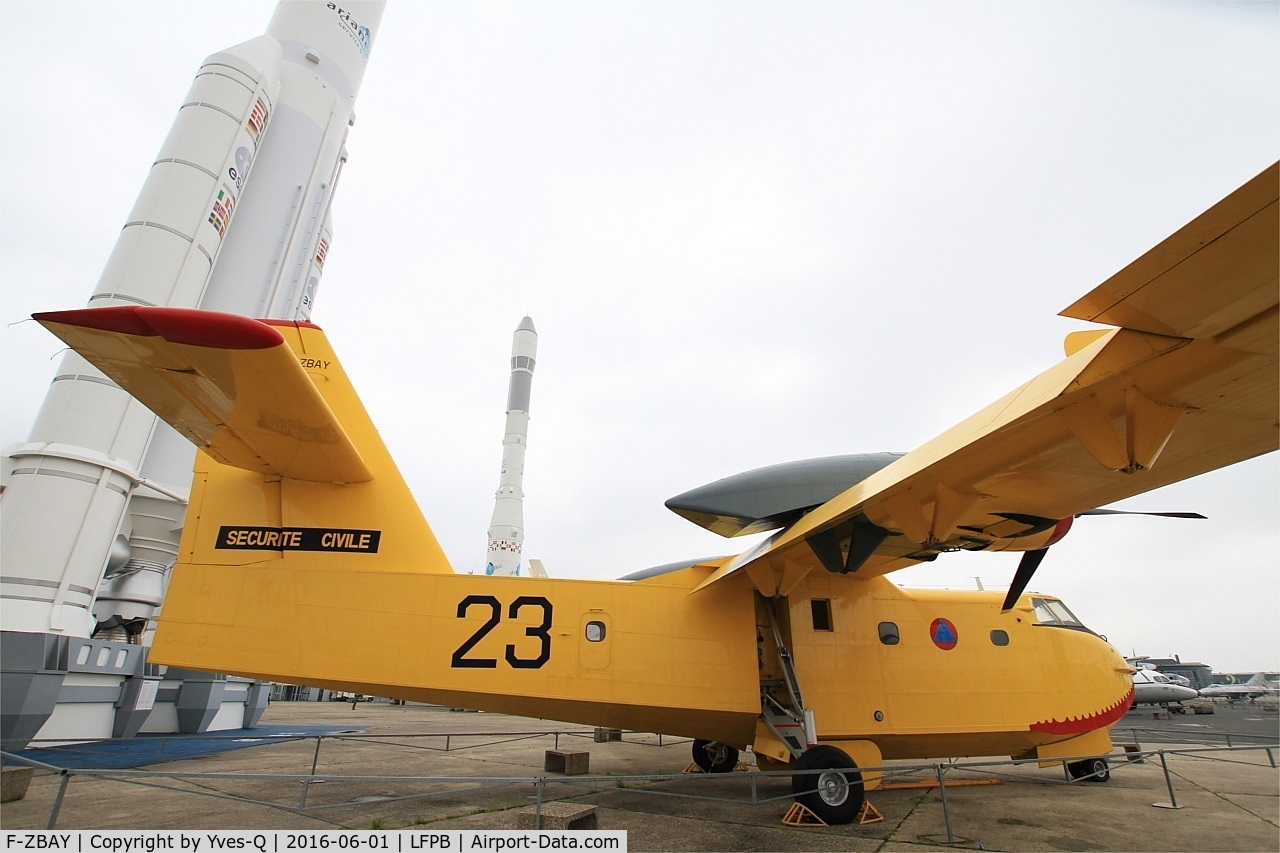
x,y
802,815
869,814
692,767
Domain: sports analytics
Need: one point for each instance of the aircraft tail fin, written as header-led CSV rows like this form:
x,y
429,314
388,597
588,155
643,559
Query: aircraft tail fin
x,y
291,469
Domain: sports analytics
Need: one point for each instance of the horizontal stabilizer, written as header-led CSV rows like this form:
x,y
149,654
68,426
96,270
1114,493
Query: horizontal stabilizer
x,y
231,385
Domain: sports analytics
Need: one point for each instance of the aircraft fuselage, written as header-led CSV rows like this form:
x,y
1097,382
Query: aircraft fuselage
x,y
918,673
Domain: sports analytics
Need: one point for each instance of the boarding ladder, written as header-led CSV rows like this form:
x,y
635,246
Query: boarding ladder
x,y
789,720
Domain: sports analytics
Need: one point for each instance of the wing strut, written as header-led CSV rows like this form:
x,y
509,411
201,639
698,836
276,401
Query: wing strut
x,y
864,538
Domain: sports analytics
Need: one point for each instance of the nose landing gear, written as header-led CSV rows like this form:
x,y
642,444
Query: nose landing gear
x,y
1095,769
712,757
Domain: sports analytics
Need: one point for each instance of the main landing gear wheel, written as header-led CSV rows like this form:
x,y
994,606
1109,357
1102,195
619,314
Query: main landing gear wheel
x,y
714,757
834,796
1096,769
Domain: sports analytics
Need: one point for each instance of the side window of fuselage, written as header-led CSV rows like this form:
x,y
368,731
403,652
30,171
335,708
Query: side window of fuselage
x,y
821,608
889,633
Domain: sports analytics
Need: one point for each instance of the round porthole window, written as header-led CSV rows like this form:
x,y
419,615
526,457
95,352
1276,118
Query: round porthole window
x,y
595,632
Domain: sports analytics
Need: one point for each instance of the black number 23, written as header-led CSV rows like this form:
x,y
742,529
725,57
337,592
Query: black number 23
x,y
541,632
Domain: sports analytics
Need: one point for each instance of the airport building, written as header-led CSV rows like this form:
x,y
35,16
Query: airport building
x,y
1201,674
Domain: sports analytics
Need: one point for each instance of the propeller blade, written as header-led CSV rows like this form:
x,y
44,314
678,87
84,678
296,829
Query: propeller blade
x,y
1026,568
1129,512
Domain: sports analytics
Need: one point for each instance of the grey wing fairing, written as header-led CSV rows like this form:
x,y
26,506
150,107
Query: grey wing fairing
x,y
774,496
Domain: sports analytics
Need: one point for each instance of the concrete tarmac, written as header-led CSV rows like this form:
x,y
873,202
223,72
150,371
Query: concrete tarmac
x,y
1229,801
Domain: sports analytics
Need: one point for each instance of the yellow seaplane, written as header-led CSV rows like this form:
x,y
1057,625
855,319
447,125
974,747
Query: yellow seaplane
x,y
300,526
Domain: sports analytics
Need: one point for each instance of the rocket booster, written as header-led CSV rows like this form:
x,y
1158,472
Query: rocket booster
x,y
234,216
506,529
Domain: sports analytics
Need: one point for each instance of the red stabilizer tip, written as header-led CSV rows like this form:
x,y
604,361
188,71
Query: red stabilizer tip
x,y
191,326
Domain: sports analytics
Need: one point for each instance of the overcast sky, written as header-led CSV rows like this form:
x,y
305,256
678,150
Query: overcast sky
x,y
747,232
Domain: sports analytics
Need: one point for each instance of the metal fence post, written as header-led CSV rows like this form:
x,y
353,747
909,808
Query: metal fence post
x,y
306,783
315,759
537,806
946,813
57,801
1173,800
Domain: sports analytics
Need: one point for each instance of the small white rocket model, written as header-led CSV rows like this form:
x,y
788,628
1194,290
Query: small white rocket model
x,y
506,529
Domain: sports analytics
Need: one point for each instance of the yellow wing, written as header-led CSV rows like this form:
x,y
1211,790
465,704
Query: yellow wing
x,y
1186,384
230,385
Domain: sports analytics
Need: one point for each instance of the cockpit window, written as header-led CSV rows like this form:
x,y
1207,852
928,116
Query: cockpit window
x,y
1051,611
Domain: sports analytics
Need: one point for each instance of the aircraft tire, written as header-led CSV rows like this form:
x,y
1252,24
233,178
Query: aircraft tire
x,y
714,757
1096,769
836,797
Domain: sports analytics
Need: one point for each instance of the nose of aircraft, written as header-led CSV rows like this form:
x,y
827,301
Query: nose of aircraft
x,y
1183,693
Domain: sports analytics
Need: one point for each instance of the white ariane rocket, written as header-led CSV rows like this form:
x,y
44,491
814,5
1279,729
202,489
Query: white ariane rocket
x,y
506,529
233,216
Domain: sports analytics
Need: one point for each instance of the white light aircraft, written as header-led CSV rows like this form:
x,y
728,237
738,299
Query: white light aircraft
x,y
1156,688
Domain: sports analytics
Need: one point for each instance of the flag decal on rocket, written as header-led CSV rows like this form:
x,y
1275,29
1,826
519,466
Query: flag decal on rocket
x,y
257,121
223,206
